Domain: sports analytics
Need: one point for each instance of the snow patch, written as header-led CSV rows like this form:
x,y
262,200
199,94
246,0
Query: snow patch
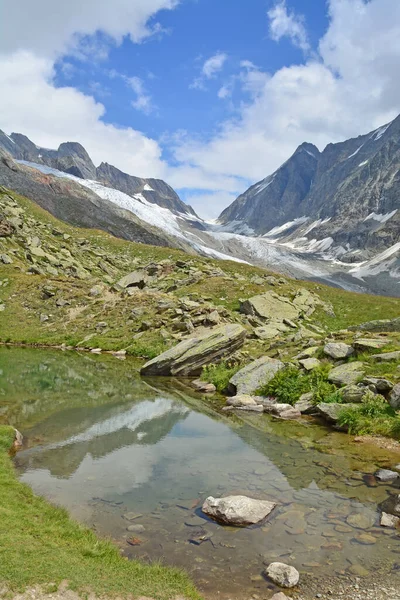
x,y
365,162
356,152
376,265
148,188
380,217
380,132
276,231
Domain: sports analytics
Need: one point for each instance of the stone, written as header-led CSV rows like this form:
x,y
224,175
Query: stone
x,y
330,411
96,290
5,259
394,397
254,375
392,505
241,400
267,332
346,374
310,363
385,475
360,521
366,539
237,510
386,356
338,350
137,279
270,306
369,344
204,386
305,405
131,516
382,385
189,356
353,393
282,575
136,528
284,411
18,440
389,520
308,352
213,318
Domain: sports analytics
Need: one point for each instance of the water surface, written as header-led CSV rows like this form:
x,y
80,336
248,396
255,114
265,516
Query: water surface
x,y
117,451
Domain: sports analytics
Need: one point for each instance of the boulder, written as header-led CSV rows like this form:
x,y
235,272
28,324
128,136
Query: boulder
x,y
394,397
389,520
284,411
282,575
392,505
269,332
386,475
204,386
310,363
380,326
369,344
386,356
237,510
137,279
381,385
192,354
254,375
305,405
308,352
346,374
270,306
338,350
353,393
331,411
242,401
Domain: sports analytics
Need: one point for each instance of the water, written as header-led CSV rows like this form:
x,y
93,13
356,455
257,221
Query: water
x,y
117,451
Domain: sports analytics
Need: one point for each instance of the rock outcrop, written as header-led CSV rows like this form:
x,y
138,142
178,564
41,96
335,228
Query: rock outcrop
x,y
237,510
190,355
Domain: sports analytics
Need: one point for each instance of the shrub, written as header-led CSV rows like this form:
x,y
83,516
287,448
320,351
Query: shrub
x,y
219,374
286,386
374,416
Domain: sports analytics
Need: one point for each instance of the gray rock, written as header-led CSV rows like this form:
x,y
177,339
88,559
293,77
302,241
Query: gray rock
x,y
270,306
203,386
284,411
310,363
242,401
346,374
380,326
386,475
353,393
386,356
382,385
369,344
190,355
305,404
237,510
331,411
308,352
137,279
389,520
338,350
394,397
5,259
282,575
254,375
269,332
135,528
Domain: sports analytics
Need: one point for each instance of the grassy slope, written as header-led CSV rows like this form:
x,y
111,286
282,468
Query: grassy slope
x,y
41,544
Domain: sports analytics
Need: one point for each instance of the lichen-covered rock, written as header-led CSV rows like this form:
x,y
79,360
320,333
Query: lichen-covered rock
x,y
237,510
309,364
369,344
305,405
338,350
271,306
386,356
137,279
353,393
346,374
254,375
283,575
330,411
394,397
190,355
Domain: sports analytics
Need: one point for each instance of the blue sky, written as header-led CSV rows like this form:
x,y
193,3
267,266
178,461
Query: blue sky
x,y
211,95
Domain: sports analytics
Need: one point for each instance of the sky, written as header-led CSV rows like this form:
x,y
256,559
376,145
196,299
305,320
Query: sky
x,y
209,95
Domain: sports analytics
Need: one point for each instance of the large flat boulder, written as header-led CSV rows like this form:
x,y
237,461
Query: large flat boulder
x,y
237,510
347,374
386,356
191,355
254,375
137,279
330,411
272,307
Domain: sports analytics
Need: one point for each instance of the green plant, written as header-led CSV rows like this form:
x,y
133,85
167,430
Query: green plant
x,y
219,374
374,416
287,385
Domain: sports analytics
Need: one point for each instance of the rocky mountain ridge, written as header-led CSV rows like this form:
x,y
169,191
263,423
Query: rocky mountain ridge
x,y
72,158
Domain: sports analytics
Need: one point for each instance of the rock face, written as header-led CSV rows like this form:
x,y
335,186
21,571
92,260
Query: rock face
x,y
190,355
254,375
237,510
283,575
347,374
338,350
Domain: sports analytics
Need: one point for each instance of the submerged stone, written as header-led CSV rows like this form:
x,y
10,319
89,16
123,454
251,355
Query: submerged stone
x,y
237,510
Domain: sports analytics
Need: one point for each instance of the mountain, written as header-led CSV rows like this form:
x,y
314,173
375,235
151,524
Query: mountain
x,y
72,158
348,196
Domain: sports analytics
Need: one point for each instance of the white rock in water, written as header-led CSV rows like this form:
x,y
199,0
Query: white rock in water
x,y
237,510
282,574
389,520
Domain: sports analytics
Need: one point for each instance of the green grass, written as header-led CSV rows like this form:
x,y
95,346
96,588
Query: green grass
x,y
219,374
40,544
373,416
290,383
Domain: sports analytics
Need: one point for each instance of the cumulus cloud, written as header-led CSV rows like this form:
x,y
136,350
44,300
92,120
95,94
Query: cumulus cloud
x,y
283,23
211,67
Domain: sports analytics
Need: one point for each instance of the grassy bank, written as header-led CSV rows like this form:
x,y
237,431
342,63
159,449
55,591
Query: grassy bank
x,y
40,544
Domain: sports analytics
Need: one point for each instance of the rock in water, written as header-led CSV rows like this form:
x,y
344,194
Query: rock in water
x,y
190,355
283,575
237,510
386,475
389,520
254,375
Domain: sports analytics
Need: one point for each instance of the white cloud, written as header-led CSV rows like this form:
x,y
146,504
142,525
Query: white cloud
x,y
211,67
143,101
46,30
287,24
210,205
350,87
